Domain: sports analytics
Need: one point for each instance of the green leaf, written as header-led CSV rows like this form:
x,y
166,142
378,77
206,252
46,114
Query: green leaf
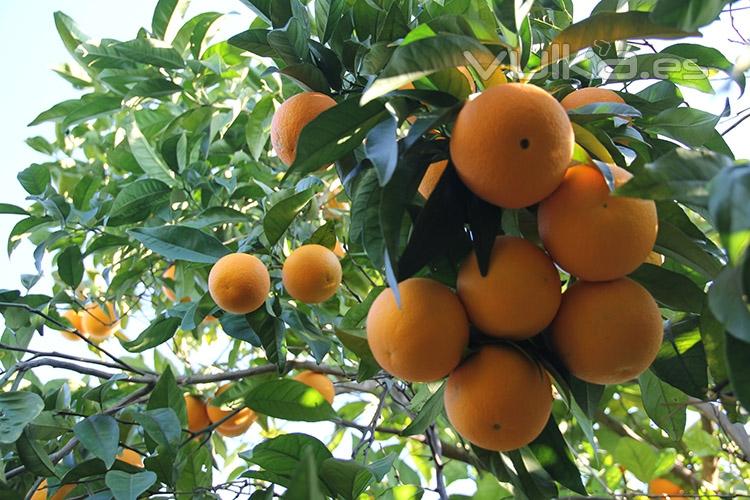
x,y
334,133
92,106
727,203
70,265
641,459
195,470
282,454
166,13
307,76
161,425
690,126
306,485
276,12
554,455
673,242
148,159
280,216
180,243
727,299
137,200
167,394
738,352
100,435
255,41
258,127
346,478
427,415
216,216
681,360
681,174
8,208
381,147
713,335
155,87
35,179
423,57
325,236
17,409
270,331
33,457
687,15
159,331
126,486
150,51
664,404
670,289
705,57
607,27
290,400
663,67
56,112
327,14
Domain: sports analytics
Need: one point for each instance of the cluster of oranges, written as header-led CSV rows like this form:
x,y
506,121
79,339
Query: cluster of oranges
x,y
230,423
512,146
94,322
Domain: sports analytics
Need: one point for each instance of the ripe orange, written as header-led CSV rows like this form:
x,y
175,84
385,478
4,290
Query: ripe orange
x,y
196,413
607,332
519,296
499,398
234,426
98,323
591,234
239,283
42,492
496,78
589,95
424,339
661,486
291,118
169,274
311,274
319,382
130,457
432,177
512,144
74,318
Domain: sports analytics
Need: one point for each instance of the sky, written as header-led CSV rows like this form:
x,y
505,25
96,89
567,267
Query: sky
x,y
32,48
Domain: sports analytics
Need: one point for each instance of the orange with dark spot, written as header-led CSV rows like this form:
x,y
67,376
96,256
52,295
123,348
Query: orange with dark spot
x,y
499,398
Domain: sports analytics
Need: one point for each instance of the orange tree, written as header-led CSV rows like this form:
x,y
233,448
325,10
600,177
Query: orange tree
x,y
579,271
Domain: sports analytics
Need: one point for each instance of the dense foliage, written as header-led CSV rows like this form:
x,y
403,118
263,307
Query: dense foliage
x,y
165,160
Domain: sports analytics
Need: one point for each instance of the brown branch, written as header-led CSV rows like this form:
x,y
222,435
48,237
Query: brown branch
x,y
84,370
735,432
52,354
261,370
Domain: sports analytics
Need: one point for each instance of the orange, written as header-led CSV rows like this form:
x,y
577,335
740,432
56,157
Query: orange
x,y
424,339
239,283
661,486
499,398
196,413
291,118
234,426
169,274
592,234
74,318
519,296
130,457
607,332
589,95
319,382
42,492
98,323
432,177
512,144
311,274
